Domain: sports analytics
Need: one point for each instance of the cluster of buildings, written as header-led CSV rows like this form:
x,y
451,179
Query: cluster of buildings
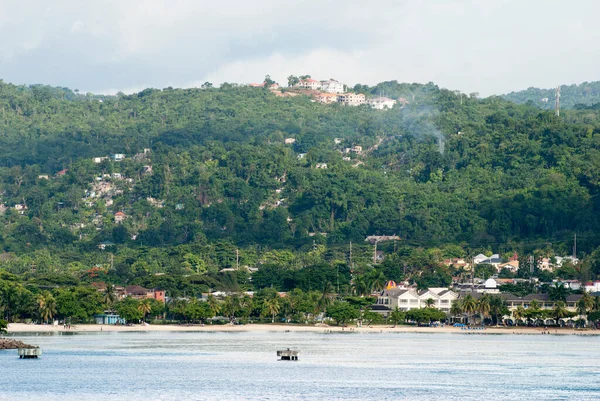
x,y
332,91
547,264
406,297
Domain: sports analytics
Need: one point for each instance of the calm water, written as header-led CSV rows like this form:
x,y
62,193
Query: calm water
x,y
243,366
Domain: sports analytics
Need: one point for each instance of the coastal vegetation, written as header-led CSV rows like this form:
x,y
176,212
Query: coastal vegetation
x,y
210,195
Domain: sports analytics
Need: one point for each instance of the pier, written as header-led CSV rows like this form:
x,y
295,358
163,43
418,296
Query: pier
x,y
29,353
288,355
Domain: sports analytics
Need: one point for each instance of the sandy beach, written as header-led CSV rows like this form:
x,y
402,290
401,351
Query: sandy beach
x,y
16,328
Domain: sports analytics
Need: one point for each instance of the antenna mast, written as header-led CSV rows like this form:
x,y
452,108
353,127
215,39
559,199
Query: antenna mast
x,y
557,102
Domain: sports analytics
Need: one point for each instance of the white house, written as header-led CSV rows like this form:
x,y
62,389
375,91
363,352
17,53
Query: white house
x,y
309,83
381,103
592,286
117,157
289,141
332,86
479,258
409,298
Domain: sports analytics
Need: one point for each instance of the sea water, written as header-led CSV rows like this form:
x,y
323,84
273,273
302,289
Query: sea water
x,y
167,366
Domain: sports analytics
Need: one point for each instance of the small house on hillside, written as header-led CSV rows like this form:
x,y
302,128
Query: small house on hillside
x,y
120,217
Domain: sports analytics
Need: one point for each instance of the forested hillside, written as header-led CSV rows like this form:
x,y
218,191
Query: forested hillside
x,y
571,96
207,172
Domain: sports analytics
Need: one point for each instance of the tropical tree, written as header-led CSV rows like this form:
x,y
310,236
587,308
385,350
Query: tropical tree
x,y
518,314
144,307
456,308
396,316
429,303
231,306
3,326
213,305
376,280
342,312
559,311
469,305
497,308
110,296
46,305
558,292
271,306
483,307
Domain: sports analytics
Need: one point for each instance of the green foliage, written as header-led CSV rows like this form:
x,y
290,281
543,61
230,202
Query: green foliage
x,y
342,313
425,315
129,310
3,326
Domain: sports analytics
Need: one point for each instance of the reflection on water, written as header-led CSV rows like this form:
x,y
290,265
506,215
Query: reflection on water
x,y
234,366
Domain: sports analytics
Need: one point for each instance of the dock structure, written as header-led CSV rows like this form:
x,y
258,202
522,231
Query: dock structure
x,y
288,355
29,353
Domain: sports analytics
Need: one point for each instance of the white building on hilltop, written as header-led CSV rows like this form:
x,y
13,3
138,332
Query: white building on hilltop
x,y
332,86
381,103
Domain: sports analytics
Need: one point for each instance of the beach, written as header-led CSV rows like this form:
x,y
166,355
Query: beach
x,y
40,328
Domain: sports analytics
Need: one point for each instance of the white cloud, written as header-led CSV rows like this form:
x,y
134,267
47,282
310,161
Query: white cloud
x,y
490,47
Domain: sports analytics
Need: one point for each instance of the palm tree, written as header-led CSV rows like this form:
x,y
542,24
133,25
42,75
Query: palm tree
x,y
360,286
271,306
231,306
483,307
558,292
144,307
469,305
497,307
110,296
456,308
213,305
596,303
559,311
376,280
46,306
326,298
581,308
518,314
429,302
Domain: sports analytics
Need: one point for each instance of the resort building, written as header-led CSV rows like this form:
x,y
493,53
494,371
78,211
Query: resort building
x,y
405,299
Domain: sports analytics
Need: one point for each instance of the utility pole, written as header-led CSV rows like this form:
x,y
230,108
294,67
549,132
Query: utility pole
x,y
557,102
375,253
575,245
351,255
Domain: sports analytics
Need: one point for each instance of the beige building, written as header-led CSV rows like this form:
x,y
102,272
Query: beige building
x,y
351,99
406,299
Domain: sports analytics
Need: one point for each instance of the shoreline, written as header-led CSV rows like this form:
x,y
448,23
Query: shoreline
x,y
18,328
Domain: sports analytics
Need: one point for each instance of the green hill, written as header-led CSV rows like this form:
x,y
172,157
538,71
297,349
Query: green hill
x,y
443,172
571,96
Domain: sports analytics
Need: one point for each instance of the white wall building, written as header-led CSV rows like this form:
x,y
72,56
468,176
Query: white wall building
x,y
381,103
332,86
406,298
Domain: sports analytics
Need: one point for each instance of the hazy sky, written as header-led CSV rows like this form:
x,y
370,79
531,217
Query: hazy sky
x,y
485,46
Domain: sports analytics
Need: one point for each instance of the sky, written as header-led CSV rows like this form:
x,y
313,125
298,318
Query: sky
x,y
484,46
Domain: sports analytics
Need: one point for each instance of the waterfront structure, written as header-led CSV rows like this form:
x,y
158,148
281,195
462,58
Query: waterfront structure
x,y
406,299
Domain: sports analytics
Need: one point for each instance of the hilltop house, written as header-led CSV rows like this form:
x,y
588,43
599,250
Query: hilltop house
x,y
120,217
381,103
327,98
309,83
351,99
332,86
